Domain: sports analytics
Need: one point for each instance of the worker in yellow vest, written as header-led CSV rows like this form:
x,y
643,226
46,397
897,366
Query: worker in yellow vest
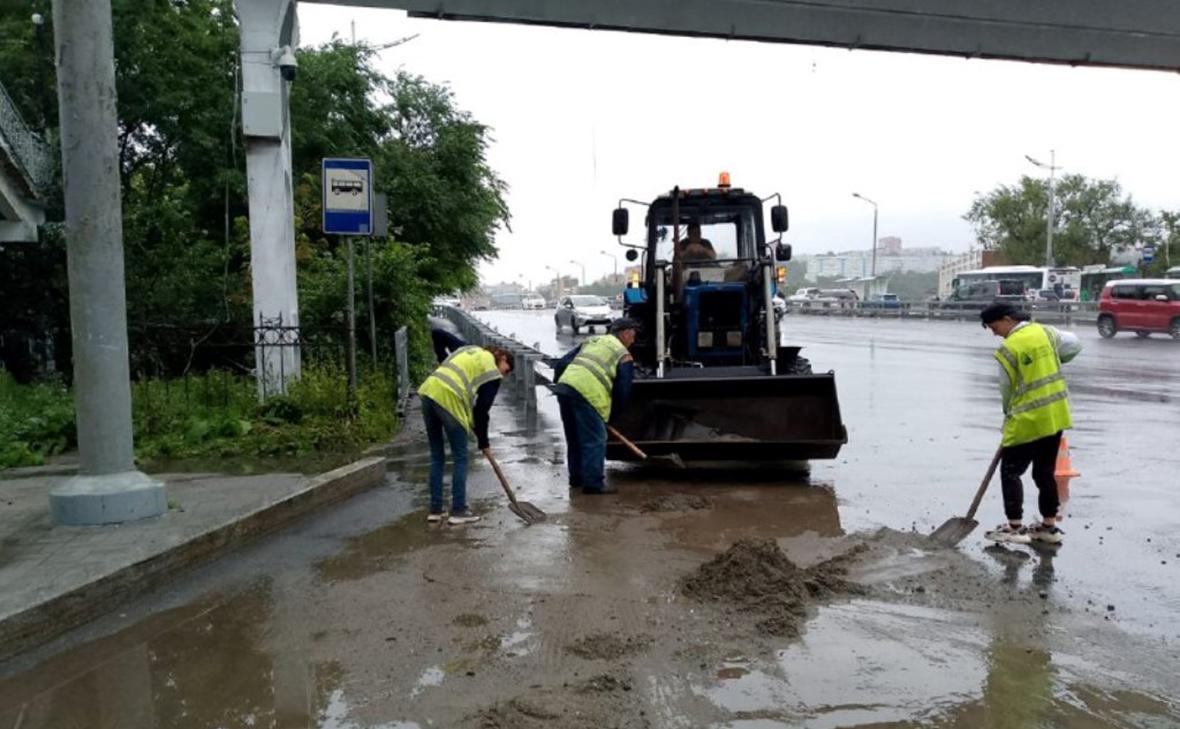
x,y
456,399
1036,412
593,379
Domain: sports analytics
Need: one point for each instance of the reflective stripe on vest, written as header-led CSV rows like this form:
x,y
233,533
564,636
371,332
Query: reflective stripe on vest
x,y
1039,406
456,382
592,372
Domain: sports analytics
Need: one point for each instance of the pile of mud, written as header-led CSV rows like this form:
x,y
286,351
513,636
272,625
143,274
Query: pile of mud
x,y
754,575
676,502
607,646
600,702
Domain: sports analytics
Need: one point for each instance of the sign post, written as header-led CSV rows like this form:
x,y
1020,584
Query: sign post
x,y
348,211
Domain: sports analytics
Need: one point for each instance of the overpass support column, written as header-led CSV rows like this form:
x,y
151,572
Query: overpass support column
x,y
268,30
107,488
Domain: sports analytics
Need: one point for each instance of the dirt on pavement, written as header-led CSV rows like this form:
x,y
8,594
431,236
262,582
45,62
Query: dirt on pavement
x,y
676,502
754,575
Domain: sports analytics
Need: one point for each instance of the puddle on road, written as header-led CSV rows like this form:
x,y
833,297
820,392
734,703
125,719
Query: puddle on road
x,y
377,550
884,665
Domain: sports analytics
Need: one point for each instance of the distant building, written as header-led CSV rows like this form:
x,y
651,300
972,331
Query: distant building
x,y
970,261
891,258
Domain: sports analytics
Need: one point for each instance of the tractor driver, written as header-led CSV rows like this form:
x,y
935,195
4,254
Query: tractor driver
x,y
694,247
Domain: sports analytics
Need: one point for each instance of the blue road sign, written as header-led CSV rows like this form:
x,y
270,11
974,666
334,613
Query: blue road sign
x,y
1148,254
348,196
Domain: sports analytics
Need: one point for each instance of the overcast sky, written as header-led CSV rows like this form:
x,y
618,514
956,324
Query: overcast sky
x,y
581,118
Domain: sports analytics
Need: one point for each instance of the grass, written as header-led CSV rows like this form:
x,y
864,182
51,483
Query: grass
x,y
213,416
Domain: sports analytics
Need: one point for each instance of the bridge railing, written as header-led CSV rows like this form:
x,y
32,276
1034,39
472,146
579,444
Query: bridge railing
x,y
24,148
1062,312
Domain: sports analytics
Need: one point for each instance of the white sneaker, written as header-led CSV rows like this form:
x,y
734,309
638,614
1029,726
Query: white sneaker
x,y
433,518
465,518
1008,533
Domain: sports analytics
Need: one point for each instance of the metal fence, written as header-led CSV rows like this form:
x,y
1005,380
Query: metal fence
x,y
29,154
1082,312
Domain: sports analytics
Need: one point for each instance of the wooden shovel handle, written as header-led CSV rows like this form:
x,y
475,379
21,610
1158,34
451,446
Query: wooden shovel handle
x,y
991,471
500,475
623,439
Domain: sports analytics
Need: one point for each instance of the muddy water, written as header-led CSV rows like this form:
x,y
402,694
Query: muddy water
x,y
365,616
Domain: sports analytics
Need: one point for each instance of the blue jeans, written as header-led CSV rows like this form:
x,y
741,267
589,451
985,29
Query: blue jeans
x,y
585,440
440,423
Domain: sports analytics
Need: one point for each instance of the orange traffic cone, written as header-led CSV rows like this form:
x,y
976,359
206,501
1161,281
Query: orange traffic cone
x,y
1064,472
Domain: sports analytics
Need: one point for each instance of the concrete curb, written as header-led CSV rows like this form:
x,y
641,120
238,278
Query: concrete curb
x,y
60,613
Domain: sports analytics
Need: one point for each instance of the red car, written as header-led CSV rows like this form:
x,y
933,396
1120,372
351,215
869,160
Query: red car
x,y
1142,306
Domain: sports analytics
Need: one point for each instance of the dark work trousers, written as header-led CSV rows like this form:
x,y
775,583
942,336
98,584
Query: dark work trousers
x,y
585,440
1042,454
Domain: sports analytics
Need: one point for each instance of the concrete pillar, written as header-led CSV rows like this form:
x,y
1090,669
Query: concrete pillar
x,y
107,488
267,28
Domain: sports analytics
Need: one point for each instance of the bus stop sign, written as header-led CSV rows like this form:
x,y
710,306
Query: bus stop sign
x,y
348,196
1148,254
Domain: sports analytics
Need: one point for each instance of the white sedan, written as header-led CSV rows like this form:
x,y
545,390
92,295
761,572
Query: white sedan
x,y
582,310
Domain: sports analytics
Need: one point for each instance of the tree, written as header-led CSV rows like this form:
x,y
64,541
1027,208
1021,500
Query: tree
x,y
183,180
1093,219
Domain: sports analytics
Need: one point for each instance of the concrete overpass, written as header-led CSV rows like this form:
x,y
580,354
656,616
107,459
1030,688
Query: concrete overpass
x,y
26,172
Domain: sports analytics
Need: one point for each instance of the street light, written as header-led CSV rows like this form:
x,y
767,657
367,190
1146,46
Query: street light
x,y
557,274
614,258
1052,167
870,202
583,267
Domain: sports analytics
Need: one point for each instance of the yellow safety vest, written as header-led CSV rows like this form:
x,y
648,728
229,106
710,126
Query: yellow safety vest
x,y
592,373
1039,406
454,384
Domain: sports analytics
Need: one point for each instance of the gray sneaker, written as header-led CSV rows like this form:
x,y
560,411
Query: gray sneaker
x,y
1046,534
465,518
1009,534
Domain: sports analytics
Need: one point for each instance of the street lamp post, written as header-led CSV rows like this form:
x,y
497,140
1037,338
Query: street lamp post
x,y
614,258
1052,167
583,267
870,202
556,274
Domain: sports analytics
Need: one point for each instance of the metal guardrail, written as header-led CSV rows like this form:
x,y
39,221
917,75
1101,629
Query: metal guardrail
x,y
1056,312
523,378
25,149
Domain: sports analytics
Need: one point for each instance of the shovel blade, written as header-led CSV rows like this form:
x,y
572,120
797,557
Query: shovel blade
x,y
953,531
527,512
669,460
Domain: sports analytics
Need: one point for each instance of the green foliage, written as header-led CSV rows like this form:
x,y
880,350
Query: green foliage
x,y
36,421
217,415
1093,221
182,165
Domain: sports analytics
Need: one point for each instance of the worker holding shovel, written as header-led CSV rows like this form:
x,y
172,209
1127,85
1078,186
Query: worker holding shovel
x,y
591,379
456,399
1036,412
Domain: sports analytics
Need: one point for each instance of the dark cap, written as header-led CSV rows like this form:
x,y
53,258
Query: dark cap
x,y
994,312
623,323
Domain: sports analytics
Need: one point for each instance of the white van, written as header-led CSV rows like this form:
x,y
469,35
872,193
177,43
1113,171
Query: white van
x,y
533,301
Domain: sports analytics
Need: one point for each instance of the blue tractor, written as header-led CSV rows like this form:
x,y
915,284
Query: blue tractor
x,y
713,379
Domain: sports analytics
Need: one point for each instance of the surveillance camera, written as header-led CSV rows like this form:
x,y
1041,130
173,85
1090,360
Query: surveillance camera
x,y
285,60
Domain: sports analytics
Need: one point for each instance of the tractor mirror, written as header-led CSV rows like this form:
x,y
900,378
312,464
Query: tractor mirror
x,y
778,218
631,254
619,221
782,252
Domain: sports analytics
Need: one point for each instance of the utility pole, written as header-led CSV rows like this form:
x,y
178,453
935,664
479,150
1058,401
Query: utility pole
x,y
870,202
583,267
615,259
372,312
107,488
1052,167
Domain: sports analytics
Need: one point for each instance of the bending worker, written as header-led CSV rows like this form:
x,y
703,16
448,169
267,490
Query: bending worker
x,y
1036,412
591,379
456,399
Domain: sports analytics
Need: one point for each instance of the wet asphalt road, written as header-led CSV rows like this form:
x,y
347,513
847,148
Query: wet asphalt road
x,y
922,410
363,617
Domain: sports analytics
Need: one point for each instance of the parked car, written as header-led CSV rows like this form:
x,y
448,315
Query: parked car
x,y
837,298
447,301
1142,306
582,310
805,294
533,301
1043,295
882,301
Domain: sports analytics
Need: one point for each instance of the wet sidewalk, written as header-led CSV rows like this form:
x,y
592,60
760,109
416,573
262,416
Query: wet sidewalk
x,y
55,578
